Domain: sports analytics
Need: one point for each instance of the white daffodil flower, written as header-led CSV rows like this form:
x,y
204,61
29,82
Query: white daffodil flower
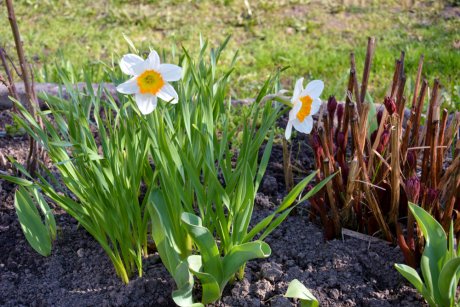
x,y
305,103
149,80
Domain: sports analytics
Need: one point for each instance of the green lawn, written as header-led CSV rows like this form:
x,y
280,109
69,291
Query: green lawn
x,y
313,37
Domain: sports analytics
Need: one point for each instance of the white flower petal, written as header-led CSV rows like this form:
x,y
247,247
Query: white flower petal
x,y
128,87
288,130
297,90
305,127
146,103
128,61
151,63
313,89
168,94
315,106
170,72
153,60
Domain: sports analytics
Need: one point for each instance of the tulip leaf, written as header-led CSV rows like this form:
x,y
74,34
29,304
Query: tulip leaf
x,y
297,290
435,248
448,280
411,275
240,254
205,243
211,287
183,296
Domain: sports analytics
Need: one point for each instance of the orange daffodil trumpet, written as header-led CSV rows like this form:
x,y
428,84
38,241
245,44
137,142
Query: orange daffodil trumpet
x,y
149,80
305,103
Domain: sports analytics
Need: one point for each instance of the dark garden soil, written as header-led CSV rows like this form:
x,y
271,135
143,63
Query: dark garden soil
x,y
348,272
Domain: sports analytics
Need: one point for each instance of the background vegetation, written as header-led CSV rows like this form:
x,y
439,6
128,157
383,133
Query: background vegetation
x,y
314,37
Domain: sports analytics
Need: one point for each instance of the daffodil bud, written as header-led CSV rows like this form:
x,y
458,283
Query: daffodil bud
x,y
390,104
331,105
413,189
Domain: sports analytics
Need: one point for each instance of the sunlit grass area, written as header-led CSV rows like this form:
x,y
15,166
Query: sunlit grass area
x,y
313,37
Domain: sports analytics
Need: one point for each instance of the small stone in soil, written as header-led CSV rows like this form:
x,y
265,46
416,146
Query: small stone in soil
x,y
271,271
80,252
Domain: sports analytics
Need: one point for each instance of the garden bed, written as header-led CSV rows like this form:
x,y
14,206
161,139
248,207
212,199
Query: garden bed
x,y
348,272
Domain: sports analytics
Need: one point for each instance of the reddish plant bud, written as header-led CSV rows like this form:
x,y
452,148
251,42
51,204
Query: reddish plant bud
x,y
413,189
412,160
384,140
390,104
315,141
373,136
431,197
341,141
340,110
379,116
331,106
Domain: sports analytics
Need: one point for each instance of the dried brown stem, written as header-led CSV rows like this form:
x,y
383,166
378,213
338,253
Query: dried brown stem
x,y
452,130
401,67
288,178
324,143
395,169
355,83
430,130
447,175
441,150
400,101
31,101
450,199
375,209
352,176
367,68
433,152
332,199
10,83
418,113
396,76
417,81
377,141
363,127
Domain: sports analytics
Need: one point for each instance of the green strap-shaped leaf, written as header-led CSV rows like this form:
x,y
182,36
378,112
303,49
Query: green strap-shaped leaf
x,y
448,281
184,281
163,233
411,275
292,196
205,243
211,287
279,219
259,227
50,222
240,254
435,248
297,290
17,180
36,232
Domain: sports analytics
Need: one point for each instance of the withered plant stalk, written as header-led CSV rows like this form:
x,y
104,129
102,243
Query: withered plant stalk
x,y
31,98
